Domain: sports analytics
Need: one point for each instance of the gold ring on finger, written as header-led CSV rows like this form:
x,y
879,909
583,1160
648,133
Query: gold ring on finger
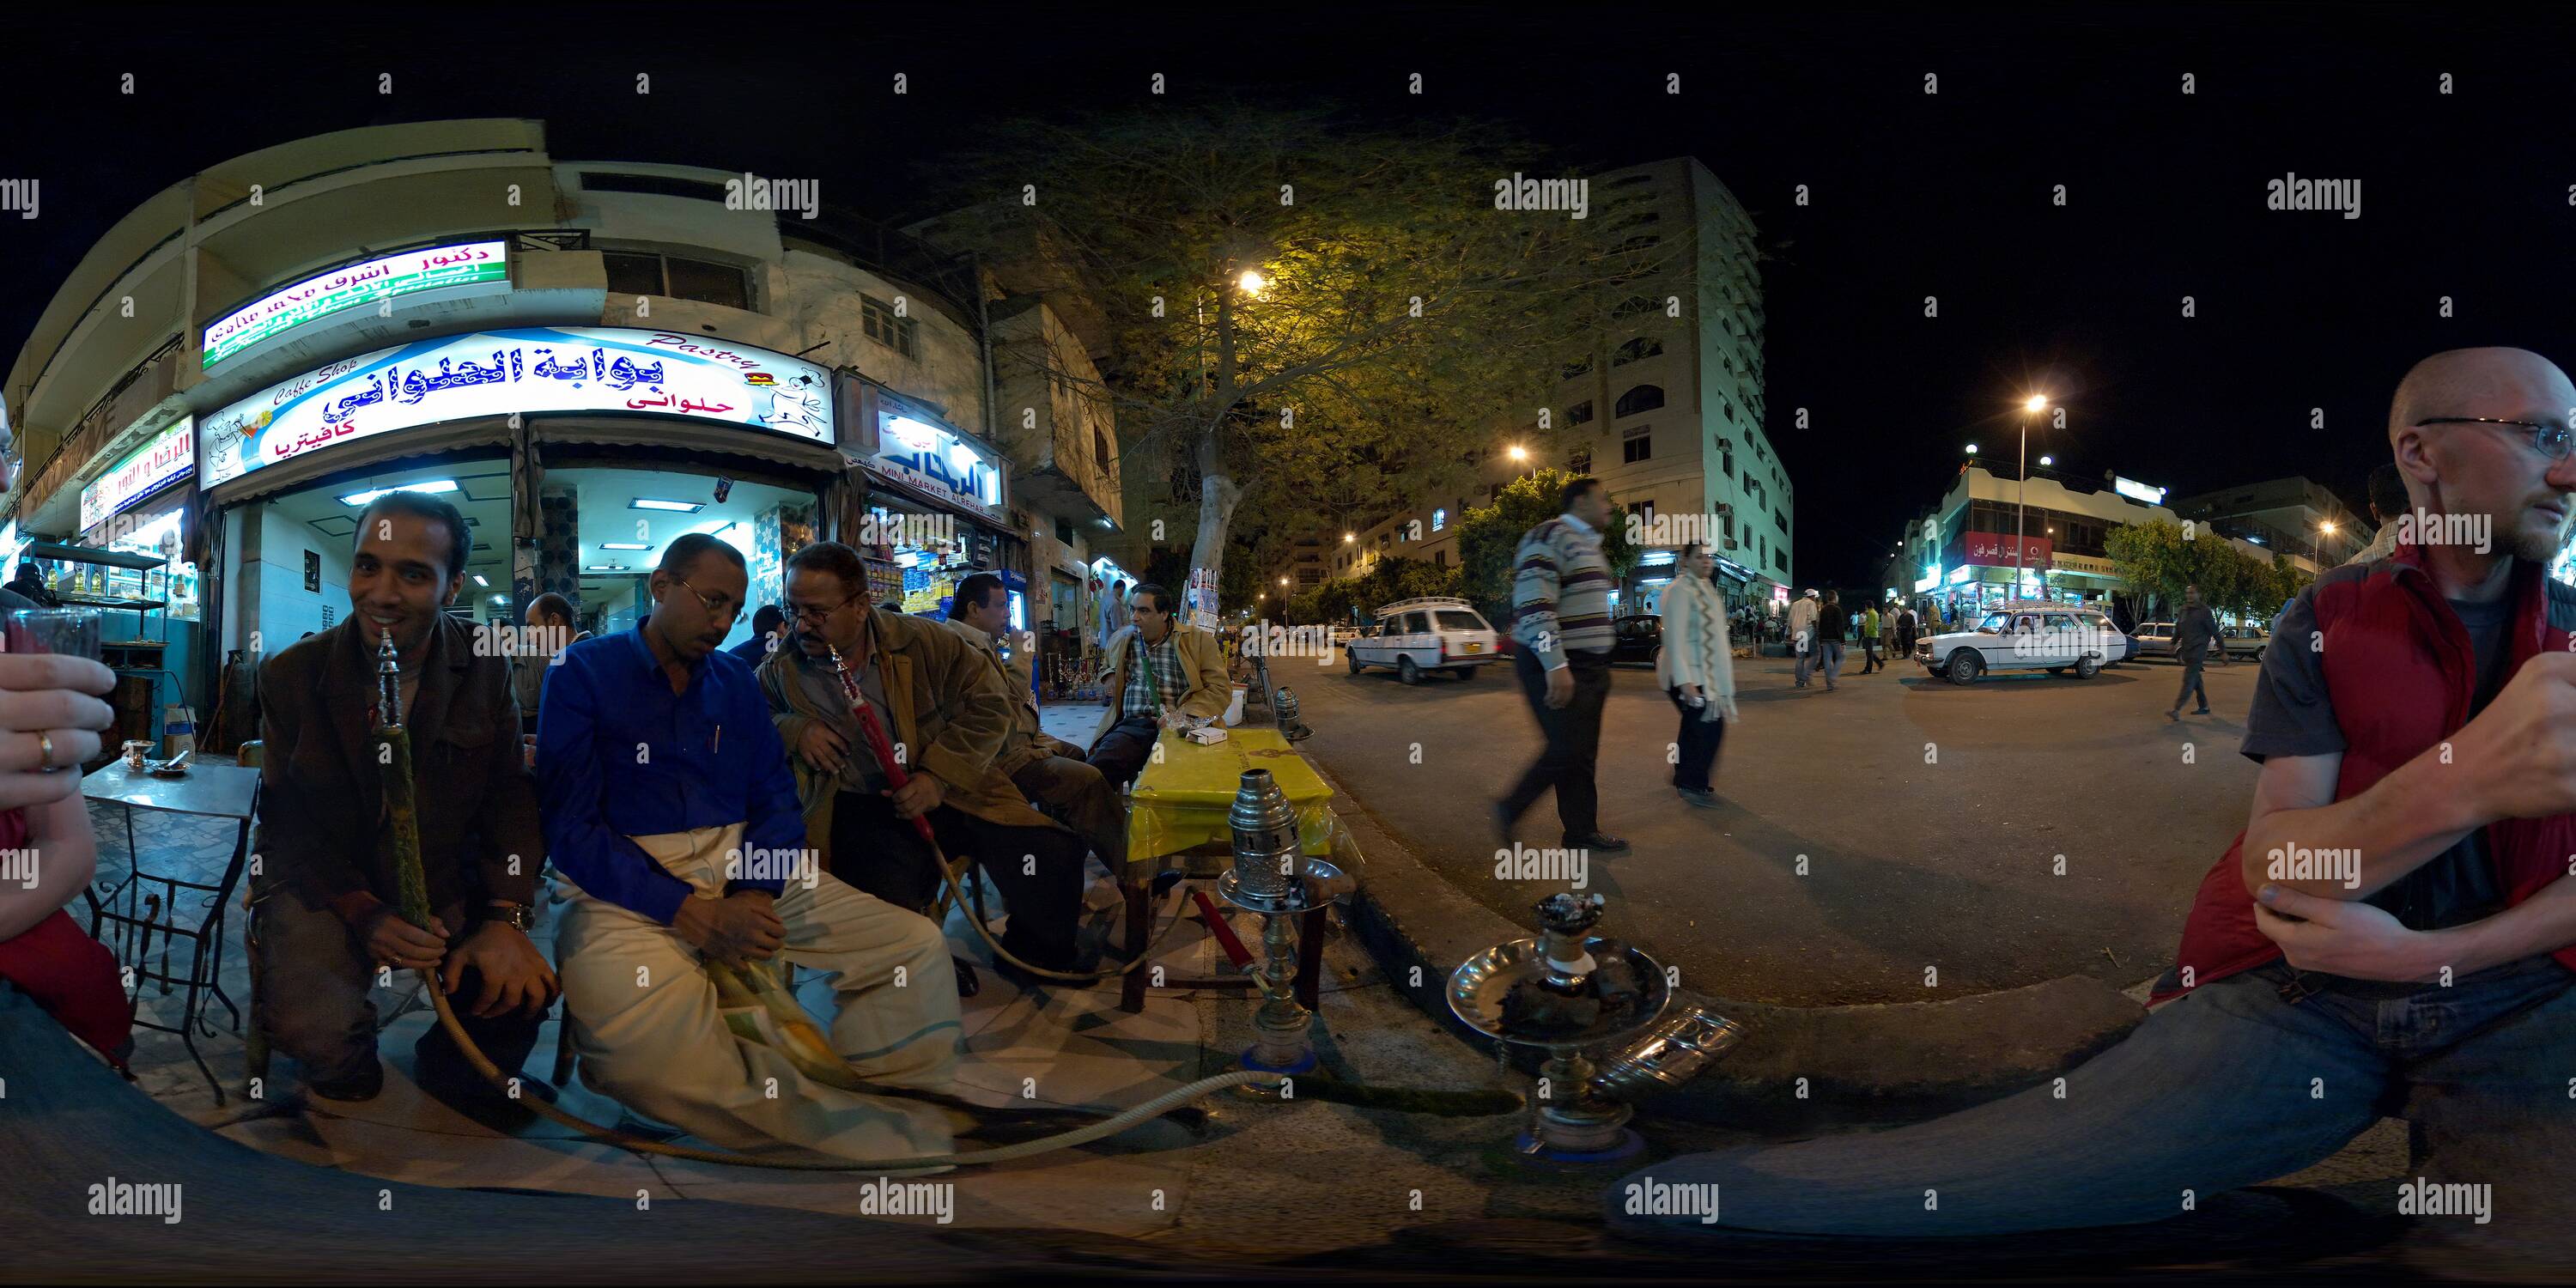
x,y
45,752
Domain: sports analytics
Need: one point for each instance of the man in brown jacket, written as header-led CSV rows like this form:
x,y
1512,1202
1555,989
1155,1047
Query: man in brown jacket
x,y
323,884
1162,672
948,713
1049,770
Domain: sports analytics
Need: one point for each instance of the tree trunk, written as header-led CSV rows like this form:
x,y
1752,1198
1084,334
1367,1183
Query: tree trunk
x,y
1218,494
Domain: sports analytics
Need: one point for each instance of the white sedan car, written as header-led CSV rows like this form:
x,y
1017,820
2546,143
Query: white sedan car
x,y
2026,637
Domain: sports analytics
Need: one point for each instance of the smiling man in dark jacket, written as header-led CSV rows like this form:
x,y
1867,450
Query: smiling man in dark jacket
x,y
324,888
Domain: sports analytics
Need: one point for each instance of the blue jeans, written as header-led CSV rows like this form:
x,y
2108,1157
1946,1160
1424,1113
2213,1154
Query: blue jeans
x,y
1806,657
1833,655
2231,1085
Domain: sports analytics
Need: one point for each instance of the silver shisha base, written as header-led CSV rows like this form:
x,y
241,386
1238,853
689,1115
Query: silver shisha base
x,y
1478,986
1230,888
1577,1124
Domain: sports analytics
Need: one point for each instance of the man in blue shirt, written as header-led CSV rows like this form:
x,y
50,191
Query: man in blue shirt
x,y
669,804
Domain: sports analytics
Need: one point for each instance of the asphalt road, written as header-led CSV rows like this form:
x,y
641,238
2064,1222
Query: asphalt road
x,y
1929,818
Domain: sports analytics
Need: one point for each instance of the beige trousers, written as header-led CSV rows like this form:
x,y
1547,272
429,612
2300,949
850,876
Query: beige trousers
x,y
646,1026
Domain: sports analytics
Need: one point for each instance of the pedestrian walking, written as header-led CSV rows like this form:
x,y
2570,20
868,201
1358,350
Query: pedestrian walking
x,y
1561,623
1802,633
2194,631
1869,638
1833,625
1908,630
1696,668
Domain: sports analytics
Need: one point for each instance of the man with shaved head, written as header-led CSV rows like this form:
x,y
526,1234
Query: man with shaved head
x,y
2393,933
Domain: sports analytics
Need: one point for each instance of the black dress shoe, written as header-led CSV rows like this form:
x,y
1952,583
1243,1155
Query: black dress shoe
x,y
361,1086
968,983
1598,842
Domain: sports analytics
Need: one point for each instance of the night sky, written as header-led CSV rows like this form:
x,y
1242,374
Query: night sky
x,y
2465,195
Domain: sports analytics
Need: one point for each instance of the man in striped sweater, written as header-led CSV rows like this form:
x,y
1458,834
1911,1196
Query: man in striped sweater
x,y
1561,624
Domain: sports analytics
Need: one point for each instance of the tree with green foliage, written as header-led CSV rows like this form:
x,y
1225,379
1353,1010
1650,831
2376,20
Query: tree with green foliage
x,y
1489,540
2158,559
1298,306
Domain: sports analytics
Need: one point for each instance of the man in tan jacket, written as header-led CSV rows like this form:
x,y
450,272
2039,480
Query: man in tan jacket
x,y
1162,673
1049,770
947,711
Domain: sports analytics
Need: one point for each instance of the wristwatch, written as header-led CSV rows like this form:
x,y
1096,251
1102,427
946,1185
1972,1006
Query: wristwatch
x,y
519,915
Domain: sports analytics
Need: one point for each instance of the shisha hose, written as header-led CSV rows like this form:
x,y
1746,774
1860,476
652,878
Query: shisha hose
x,y
393,742
881,748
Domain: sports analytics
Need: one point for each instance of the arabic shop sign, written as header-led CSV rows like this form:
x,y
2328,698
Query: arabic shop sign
x,y
936,460
483,265
165,460
534,369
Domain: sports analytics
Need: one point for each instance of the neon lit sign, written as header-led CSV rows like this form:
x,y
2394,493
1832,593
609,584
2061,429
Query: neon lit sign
x,y
499,373
166,459
480,268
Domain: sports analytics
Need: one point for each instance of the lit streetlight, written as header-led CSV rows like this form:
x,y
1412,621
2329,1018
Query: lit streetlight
x,y
1252,282
1348,538
1972,449
2046,461
2030,407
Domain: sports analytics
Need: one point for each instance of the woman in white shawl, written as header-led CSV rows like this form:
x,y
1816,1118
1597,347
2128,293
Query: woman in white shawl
x,y
1696,668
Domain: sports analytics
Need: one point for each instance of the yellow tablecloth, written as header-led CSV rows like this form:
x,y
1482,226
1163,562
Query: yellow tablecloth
x,y
1182,802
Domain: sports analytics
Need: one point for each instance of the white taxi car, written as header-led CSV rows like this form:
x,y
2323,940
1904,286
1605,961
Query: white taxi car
x,y
1434,633
2026,636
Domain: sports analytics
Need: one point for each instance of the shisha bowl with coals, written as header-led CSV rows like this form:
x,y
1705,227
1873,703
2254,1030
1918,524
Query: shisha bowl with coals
x,y
1562,988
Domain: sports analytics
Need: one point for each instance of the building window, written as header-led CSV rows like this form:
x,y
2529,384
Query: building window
x,y
1627,180
1439,520
1064,531
669,276
1100,447
1641,348
1637,445
1580,413
1632,306
1439,558
1780,521
1579,460
1726,459
1642,398
1726,408
878,319
1636,243
1780,561
1632,221
1646,512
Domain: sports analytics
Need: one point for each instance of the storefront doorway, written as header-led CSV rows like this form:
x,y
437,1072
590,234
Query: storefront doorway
x,y
620,521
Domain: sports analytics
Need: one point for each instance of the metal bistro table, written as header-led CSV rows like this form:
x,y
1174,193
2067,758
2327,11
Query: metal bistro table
x,y
1178,811
211,791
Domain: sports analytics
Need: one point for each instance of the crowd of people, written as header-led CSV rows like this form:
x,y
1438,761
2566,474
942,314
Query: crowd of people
x,y
694,803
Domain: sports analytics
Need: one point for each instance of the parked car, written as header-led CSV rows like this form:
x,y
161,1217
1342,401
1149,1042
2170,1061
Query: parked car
x,y
1636,639
1429,634
2026,636
2156,639
1344,634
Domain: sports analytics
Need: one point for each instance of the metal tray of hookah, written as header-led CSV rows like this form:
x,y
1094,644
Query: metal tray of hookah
x,y
1478,986
1292,899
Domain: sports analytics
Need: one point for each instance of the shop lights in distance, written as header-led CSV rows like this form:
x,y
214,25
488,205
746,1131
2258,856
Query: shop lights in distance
x,y
679,507
432,486
623,545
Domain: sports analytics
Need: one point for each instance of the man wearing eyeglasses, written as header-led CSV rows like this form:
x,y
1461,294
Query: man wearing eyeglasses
x,y
2393,933
947,713
669,804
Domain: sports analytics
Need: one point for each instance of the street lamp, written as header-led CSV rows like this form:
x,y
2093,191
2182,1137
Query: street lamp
x,y
1252,282
1348,538
2031,405
1283,581
2046,461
